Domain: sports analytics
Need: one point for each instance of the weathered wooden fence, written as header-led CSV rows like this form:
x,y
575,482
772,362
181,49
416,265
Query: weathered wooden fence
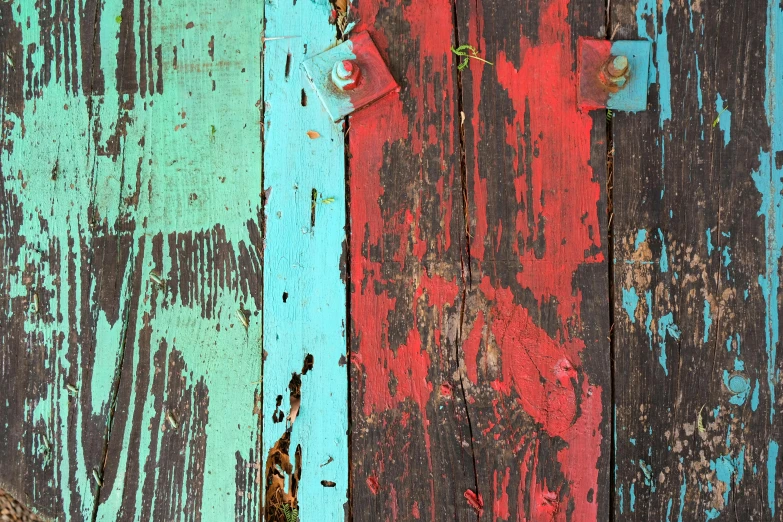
x,y
469,300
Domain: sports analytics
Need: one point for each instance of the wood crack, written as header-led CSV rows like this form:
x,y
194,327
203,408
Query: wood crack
x,y
465,258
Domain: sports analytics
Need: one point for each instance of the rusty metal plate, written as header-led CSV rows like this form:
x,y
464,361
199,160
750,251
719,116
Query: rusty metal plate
x,y
349,76
601,85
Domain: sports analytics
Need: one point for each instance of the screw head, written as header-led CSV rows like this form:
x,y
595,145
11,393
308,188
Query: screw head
x,y
345,74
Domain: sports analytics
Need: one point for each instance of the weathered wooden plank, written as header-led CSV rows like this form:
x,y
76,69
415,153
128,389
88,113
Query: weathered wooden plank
x,y
305,447
411,440
185,436
131,200
65,254
696,260
422,360
536,350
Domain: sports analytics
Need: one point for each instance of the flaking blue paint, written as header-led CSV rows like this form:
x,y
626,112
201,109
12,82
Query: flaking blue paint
x,y
723,119
699,96
754,400
729,470
632,495
630,302
664,263
707,320
772,460
303,260
769,182
683,491
649,320
710,246
666,328
641,237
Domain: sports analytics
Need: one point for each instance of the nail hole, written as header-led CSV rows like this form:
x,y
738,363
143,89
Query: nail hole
x,y
288,65
312,208
308,364
304,98
285,296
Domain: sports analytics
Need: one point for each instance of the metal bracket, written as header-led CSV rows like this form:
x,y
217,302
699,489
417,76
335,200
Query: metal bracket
x,y
613,75
349,76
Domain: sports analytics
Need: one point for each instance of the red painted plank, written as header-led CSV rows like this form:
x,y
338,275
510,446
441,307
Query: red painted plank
x,y
535,173
410,436
480,354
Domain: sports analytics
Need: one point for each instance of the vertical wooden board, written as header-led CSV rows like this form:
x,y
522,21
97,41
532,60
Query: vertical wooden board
x,y
305,449
697,253
183,91
535,341
411,436
65,249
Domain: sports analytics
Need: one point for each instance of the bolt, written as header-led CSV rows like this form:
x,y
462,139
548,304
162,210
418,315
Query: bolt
x,y
618,66
345,74
615,72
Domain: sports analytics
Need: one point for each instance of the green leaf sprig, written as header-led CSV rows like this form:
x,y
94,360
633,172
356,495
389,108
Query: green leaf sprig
x,y
468,52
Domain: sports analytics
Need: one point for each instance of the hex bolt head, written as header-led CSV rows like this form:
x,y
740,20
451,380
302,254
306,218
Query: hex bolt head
x,y
345,74
618,66
615,72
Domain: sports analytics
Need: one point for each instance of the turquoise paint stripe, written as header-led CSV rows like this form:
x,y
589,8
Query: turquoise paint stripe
x,y
664,263
769,182
304,293
660,69
772,460
723,120
666,327
707,320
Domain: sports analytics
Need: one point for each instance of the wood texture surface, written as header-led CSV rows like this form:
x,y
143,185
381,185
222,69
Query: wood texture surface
x,y
410,437
535,343
697,222
479,368
305,442
131,237
445,336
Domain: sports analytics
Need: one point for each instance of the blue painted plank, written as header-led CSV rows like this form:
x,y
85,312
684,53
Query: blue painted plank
x,y
304,290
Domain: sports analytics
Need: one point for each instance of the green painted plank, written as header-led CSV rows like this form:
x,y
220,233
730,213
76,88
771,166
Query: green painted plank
x,y
64,261
305,295
131,144
184,443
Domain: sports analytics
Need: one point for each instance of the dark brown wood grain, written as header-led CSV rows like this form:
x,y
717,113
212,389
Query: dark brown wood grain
x,y
688,447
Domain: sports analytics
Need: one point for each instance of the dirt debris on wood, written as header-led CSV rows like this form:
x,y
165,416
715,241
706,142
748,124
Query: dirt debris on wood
x,y
11,510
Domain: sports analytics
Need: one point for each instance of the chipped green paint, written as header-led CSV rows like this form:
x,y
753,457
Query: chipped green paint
x,y
131,173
